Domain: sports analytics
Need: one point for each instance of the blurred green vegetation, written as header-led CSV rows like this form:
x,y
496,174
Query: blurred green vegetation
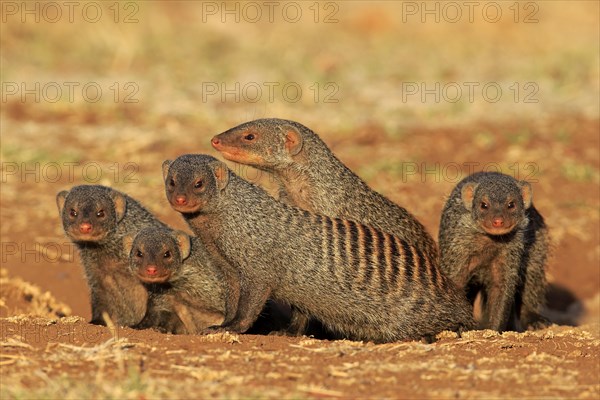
x,y
580,172
369,55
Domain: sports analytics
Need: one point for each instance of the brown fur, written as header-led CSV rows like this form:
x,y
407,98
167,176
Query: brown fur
x,y
97,218
362,283
494,242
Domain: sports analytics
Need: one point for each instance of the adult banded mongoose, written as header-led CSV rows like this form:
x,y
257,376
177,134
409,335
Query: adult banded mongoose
x,y
186,290
358,281
494,241
96,219
313,178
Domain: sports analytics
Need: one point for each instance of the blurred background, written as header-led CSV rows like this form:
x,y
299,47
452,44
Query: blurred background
x,y
410,95
187,60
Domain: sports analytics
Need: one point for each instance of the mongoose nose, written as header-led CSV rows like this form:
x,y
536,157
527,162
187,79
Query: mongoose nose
x,y
498,222
151,270
85,227
215,141
180,200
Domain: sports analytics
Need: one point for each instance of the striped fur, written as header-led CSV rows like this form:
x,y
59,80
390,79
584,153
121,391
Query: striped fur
x,y
360,282
313,178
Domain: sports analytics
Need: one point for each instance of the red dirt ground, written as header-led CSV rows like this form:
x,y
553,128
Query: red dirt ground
x,y
49,354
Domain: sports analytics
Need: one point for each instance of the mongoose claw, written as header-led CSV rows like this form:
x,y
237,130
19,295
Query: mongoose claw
x,y
283,332
214,329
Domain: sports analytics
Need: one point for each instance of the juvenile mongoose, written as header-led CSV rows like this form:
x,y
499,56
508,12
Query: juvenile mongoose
x,y
359,282
97,218
180,278
494,241
313,178
186,290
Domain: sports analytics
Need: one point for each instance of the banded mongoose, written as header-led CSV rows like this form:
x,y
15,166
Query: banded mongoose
x,y
96,219
186,290
358,281
494,241
311,177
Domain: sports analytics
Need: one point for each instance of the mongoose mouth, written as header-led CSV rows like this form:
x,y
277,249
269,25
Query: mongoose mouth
x,y
86,237
497,231
154,279
228,155
187,208
240,156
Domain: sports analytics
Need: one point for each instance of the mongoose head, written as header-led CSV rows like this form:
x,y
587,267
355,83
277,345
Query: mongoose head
x,y
193,182
498,203
155,255
90,212
264,143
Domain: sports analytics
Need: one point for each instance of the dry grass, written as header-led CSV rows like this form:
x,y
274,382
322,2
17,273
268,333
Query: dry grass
x,y
559,361
18,297
368,55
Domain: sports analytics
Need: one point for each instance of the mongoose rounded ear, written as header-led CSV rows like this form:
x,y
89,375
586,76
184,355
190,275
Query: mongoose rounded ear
x,y
221,172
467,194
293,140
527,193
120,204
165,168
61,198
184,243
127,244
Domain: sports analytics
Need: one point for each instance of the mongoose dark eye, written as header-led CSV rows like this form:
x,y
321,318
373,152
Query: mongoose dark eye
x,y
73,213
198,184
511,204
484,205
167,254
249,137
171,182
139,254
100,214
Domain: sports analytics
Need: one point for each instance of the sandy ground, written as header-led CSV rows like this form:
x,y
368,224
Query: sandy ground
x,y
54,354
411,149
559,362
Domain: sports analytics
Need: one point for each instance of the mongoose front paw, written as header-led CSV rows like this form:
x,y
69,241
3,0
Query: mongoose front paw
x,y
215,329
282,332
221,329
539,322
232,327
